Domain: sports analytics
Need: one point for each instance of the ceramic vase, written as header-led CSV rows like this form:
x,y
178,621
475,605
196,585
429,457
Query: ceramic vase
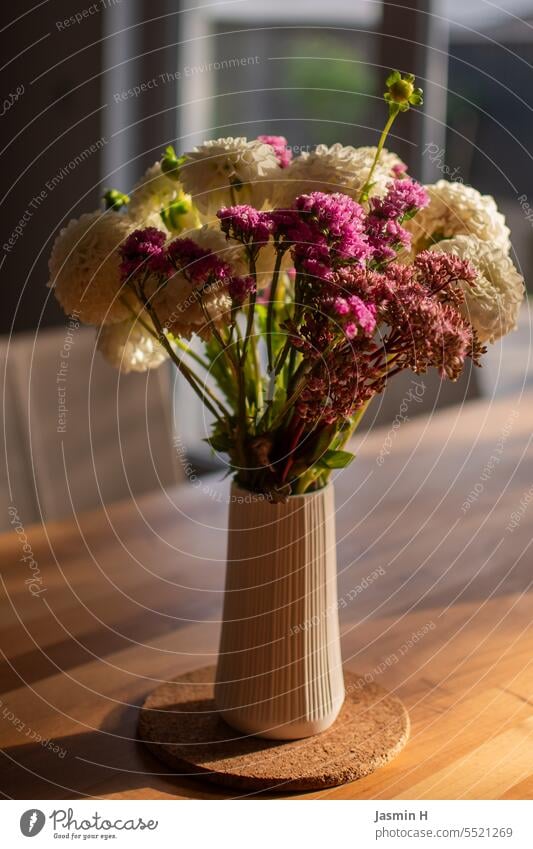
x,y
279,673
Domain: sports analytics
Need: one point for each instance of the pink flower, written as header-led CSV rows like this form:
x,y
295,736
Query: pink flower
x,y
195,262
386,237
325,229
239,288
245,224
315,267
341,306
143,250
364,313
399,170
403,198
279,146
441,271
351,330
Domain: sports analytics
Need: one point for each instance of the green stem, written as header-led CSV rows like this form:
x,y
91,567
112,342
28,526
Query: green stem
x,y
386,129
203,392
188,350
251,309
270,311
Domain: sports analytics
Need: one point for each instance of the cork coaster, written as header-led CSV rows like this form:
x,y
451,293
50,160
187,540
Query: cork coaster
x,y
179,724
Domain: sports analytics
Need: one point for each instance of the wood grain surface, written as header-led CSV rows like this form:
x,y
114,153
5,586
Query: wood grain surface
x,y
434,523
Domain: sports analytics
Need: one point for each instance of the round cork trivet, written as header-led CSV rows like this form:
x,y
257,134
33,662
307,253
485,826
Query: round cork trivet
x,y
179,724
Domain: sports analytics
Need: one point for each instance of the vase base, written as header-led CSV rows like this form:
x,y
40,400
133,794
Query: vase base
x,y
180,725
286,732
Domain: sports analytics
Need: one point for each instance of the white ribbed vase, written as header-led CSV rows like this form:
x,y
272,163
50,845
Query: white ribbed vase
x,y
279,672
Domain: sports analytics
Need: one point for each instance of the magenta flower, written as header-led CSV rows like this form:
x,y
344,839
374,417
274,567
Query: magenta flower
x,y
324,229
403,199
245,224
351,330
196,263
143,250
386,237
239,288
364,313
341,306
279,146
399,170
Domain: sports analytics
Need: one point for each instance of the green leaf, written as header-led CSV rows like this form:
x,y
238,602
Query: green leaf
x,y
220,439
220,442
393,77
333,459
409,214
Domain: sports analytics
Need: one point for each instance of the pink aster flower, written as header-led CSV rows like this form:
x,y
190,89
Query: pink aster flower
x,y
245,224
279,146
143,250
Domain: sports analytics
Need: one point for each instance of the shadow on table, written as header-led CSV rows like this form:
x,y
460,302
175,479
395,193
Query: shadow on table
x,y
109,761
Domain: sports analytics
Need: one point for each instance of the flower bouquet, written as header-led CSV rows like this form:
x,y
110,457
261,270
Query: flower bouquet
x,y
309,282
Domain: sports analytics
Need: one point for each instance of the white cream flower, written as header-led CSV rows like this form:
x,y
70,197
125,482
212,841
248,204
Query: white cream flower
x,y
493,304
224,172
213,239
179,305
155,192
335,169
128,346
458,210
85,267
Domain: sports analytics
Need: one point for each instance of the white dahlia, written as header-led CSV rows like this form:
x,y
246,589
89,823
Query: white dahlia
x,y
458,210
128,346
213,239
85,267
492,305
335,169
178,305
154,193
223,172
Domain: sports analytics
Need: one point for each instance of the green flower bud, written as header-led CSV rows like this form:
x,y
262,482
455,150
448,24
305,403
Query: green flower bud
x,y
114,199
171,164
174,214
401,92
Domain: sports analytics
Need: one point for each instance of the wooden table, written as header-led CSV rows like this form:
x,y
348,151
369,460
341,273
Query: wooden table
x,y
133,596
